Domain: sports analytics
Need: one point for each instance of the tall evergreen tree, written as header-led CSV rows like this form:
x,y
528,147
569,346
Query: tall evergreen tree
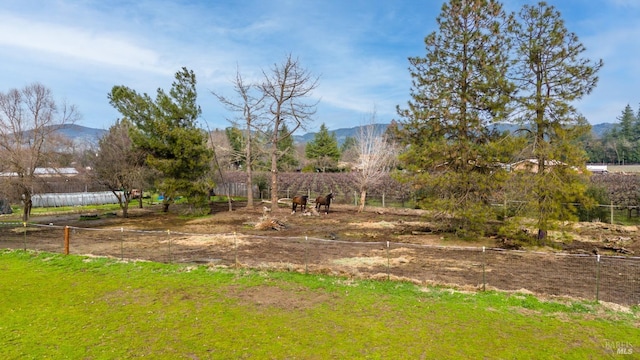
x,y
626,121
287,160
551,74
349,143
627,139
323,149
636,124
635,130
458,89
237,142
166,129
594,147
349,149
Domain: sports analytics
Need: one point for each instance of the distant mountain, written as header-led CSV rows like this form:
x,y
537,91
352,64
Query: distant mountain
x,y
598,130
82,134
341,134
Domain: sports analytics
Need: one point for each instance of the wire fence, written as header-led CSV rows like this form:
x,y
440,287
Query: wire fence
x,y
403,197
614,279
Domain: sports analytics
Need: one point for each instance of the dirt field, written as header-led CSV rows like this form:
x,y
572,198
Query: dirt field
x,y
379,243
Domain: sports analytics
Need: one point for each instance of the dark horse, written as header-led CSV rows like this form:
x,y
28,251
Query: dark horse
x,y
324,200
299,200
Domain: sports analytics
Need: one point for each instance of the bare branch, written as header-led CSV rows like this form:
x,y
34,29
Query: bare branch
x,y
29,121
376,155
285,87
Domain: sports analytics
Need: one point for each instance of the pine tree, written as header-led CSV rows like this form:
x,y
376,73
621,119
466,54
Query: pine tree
x,y
625,124
627,139
636,124
551,74
349,150
166,128
349,142
459,88
237,142
323,149
286,159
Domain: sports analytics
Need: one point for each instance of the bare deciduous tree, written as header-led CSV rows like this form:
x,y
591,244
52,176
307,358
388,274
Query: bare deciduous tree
x,y
29,122
120,165
251,106
285,89
224,153
375,154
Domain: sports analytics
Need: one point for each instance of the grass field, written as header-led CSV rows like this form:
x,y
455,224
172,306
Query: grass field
x,y
56,306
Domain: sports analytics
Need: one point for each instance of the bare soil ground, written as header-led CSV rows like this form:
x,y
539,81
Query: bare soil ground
x,y
378,243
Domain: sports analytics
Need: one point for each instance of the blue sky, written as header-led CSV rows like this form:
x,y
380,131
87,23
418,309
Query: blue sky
x,y
359,48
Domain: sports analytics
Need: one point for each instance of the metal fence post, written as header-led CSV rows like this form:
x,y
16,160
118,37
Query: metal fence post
x,y
121,244
170,254
484,274
611,212
597,277
235,249
306,255
388,262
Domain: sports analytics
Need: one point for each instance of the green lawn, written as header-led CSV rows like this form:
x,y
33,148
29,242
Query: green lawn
x,y
59,307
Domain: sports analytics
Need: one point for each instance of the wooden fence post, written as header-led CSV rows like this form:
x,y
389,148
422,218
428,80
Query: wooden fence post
x,y
24,235
611,212
66,240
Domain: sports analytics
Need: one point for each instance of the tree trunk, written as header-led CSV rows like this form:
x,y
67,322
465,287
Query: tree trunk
x,y
249,165
274,182
124,204
249,188
363,197
542,236
27,207
229,200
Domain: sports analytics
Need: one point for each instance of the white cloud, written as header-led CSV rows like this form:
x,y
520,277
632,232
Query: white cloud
x,y
358,48
626,3
78,43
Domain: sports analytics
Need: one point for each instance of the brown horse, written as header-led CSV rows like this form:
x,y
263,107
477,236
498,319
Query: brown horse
x,y
299,200
324,200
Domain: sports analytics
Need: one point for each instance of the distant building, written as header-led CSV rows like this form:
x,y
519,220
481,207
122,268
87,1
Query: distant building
x,y
598,169
47,172
531,165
